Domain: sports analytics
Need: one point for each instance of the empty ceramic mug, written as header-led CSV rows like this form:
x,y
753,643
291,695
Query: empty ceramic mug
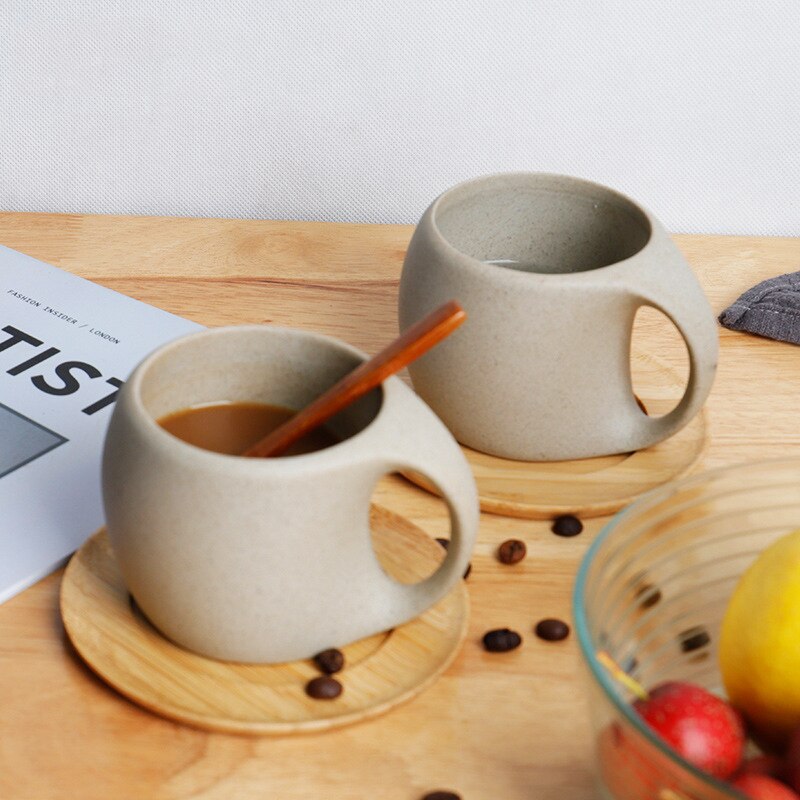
x,y
551,271
270,559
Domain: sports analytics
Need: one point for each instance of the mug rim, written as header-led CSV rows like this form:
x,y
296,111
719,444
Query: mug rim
x,y
516,276
334,454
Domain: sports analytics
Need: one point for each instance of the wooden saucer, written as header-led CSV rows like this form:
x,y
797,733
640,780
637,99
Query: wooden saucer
x,y
380,672
591,487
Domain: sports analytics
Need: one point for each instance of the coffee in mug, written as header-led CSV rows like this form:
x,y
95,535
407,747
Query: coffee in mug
x,y
232,428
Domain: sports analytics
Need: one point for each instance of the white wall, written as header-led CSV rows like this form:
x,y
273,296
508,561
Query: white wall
x,y
365,111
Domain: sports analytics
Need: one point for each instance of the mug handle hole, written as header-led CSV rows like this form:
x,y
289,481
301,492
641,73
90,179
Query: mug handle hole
x,y
654,334
395,542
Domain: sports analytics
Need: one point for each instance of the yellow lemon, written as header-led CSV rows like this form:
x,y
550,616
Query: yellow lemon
x,y
759,648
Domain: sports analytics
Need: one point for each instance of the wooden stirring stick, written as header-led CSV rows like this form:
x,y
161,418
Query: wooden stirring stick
x,y
415,341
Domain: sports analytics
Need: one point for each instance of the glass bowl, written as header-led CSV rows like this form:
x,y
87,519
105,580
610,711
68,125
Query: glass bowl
x,y
652,591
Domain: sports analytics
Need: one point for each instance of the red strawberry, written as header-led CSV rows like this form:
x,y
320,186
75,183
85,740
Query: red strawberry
x,y
701,727
762,787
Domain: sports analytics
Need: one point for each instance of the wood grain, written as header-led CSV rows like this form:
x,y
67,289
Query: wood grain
x,y
381,671
508,726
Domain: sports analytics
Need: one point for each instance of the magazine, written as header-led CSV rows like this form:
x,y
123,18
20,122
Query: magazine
x,y
66,347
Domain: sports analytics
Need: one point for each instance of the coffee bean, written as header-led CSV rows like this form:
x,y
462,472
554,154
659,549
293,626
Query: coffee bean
x,y
640,404
446,543
694,639
512,551
552,630
329,661
567,525
501,640
323,688
442,794
648,595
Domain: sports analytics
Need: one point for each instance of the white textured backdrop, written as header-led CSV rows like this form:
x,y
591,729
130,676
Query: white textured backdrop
x,y
365,111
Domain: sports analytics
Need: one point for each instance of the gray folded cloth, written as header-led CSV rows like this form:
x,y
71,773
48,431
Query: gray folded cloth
x,y
771,309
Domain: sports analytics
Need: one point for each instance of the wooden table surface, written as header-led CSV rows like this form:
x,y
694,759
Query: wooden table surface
x,y
495,725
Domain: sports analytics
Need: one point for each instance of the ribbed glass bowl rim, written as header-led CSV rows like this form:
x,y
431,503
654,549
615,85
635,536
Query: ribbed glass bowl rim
x,y
597,670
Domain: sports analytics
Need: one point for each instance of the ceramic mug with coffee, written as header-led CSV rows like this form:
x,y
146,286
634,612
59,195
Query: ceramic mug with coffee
x,y
551,271
268,559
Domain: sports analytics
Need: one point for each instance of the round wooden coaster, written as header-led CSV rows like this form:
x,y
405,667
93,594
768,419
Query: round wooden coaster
x,y
591,487
380,672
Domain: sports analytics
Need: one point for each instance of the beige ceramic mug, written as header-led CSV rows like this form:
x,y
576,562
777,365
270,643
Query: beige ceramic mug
x,y
269,560
551,271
